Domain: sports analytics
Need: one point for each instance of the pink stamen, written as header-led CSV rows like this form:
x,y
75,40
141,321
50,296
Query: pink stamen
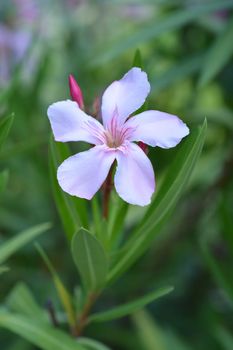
x,y
95,132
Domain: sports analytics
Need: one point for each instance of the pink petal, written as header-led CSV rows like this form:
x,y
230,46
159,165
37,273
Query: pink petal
x,y
134,178
157,129
83,174
125,96
70,123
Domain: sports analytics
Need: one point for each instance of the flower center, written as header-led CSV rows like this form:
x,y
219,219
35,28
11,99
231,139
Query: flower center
x,y
115,133
113,141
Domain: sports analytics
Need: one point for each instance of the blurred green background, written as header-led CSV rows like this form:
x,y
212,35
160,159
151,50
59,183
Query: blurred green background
x,y
187,49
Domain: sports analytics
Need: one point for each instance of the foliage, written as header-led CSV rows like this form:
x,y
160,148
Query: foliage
x,y
93,274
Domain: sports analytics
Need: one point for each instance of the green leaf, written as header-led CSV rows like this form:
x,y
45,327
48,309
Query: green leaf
x,y
218,55
5,125
225,212
117,215
153,337
171,22
178,174
163,204
128,308
39,77
91,344
63,293
37,333
72,210
78,299
217,271
90,259
149,333
97,218
3,269
178,72
3,180
19,344
22,301
225,338
11,246
137,62
23,146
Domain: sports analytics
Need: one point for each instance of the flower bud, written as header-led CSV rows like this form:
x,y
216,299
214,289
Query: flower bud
x,y
76,92
143,146
96,108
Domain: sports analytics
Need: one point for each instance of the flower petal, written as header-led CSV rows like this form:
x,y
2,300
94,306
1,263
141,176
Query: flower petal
x,y
125,96
83,174
70,123
134,178
157,129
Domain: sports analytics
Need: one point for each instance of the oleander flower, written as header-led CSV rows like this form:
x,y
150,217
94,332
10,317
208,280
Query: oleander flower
x,y
83,174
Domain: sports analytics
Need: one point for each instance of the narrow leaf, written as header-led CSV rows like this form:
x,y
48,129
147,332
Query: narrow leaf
x,y
150,335
90,259
118,212
171,22
72,210
22,301
3,180
5,125
153,337
97,217
12,245
225,338
178,72
137,62
43,336
128,308
3,269
218,55
63,293
217,271
164,202
91,344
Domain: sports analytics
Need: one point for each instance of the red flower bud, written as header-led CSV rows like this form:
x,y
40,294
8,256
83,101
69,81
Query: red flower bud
x,y
76,92
143,146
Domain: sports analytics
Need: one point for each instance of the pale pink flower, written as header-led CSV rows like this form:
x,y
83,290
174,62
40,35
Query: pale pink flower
x,y
83,174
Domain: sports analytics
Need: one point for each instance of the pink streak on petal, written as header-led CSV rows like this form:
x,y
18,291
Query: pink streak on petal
x,y
83,174
70,123
76,92
127,95
157,128
134,178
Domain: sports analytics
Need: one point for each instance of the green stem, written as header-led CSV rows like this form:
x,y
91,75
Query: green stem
x,y
107,187
84,315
